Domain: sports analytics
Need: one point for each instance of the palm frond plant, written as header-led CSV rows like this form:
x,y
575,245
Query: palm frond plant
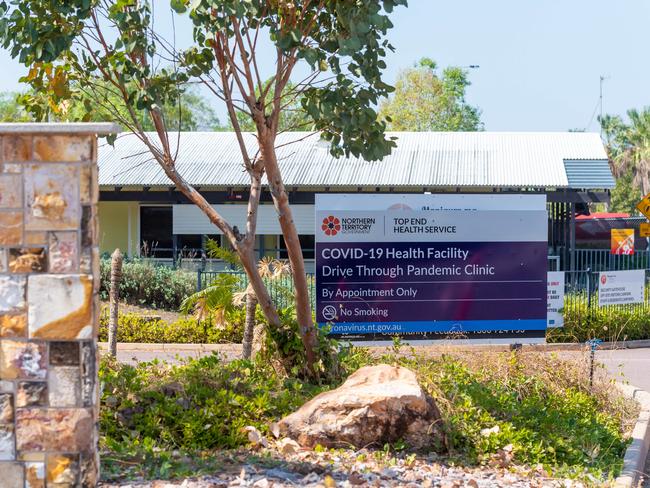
x,y
231,290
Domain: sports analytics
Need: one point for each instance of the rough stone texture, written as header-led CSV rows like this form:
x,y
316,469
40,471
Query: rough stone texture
x,y
6,408
61,429
89,393
12,168
62,469
7,443
17,148
63,148
52,197
376,405
22,360
12,293
13,325
34,475
64,252
27,260
49,286
31,394
11,191
86,185
11,223
12,475
36,238
89,469
60,306
64,386
64,353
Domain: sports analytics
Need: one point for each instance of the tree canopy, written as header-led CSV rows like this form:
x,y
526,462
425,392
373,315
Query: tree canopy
x,y
628,146
190,113
11,110
102,48
426,100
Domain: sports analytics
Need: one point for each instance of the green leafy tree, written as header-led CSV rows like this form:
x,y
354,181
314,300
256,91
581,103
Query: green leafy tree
x,y
628,147
625,195
93,49
11,110
190,113
426,100
293,118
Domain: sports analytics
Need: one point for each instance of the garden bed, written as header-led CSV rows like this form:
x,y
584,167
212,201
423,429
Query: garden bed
x,y
519,413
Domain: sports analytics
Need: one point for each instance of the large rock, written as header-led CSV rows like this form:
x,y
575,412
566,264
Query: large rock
x,y
376,405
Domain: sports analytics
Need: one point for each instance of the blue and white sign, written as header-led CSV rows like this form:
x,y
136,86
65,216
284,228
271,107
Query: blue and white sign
x,y
432,266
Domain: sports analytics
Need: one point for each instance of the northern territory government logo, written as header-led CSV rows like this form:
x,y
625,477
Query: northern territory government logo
x,y
332,225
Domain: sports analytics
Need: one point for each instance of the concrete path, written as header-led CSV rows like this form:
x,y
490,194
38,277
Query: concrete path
x,y
632,365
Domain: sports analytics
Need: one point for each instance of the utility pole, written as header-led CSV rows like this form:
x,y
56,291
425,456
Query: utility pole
x,y
602,79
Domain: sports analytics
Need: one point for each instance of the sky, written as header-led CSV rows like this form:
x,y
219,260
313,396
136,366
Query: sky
x,y
540,60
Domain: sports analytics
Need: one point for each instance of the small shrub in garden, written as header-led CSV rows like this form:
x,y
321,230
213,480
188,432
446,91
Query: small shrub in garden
x,y
186,330
143,283
203,404
611,324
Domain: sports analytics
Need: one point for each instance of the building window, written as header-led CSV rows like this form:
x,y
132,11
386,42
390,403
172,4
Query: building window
x,y
189,246
307,242
156,238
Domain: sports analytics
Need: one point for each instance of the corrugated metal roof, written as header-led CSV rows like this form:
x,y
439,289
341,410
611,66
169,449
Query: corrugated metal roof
x,y
589,173
421,159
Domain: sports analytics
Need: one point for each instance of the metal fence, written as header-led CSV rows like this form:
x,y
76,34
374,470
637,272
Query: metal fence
x,y
603,260
581,304
280,289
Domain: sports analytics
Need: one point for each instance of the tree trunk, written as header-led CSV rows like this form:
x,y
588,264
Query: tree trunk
x,y
249,326
294,250
264,300
114,294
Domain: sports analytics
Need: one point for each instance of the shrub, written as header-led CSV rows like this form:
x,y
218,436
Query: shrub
x,y
203,404
144,283
612,323
186,330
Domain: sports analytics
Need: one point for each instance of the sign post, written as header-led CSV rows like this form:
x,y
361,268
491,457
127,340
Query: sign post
x,y
428,267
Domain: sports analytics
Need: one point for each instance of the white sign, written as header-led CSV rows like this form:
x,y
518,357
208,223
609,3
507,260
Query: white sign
x,y
555,299
620,287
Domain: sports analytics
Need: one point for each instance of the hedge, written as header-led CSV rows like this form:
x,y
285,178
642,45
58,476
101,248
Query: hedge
x,y
144,283
186,330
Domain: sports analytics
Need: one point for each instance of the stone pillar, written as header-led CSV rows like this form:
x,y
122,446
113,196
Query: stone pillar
x,y
49,281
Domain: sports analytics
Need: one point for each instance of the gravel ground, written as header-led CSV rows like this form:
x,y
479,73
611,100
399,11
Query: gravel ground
x,y
351,469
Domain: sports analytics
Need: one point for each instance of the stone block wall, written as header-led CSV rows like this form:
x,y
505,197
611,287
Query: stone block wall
x,y
49,279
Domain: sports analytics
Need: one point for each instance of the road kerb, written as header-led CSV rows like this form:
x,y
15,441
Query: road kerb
x,y
637,452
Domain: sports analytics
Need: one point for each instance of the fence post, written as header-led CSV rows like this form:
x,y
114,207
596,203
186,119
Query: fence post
x,y
198,280
588,288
